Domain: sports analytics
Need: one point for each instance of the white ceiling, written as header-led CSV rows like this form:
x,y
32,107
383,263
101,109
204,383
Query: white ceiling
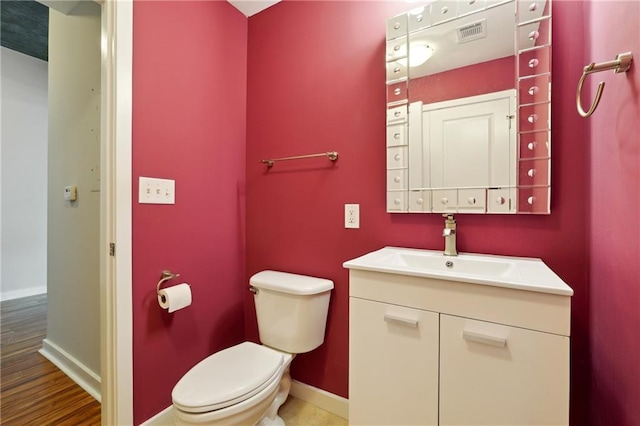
x,y
449,53
62,6
251,7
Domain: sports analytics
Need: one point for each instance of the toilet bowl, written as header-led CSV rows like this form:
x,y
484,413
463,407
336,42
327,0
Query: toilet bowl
x,y
236,386
247,383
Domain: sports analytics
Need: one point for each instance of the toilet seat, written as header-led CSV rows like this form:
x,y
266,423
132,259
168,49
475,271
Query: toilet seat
x,y
227,377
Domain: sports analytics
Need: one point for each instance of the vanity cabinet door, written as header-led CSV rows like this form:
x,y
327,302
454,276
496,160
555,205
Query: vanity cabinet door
x,y
492,374
393,364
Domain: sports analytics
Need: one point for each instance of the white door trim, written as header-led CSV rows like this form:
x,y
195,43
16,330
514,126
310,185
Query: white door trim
x,y
116,319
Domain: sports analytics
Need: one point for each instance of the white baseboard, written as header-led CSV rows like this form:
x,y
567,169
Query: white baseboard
x,y
327,401
26,292
163,418
78,372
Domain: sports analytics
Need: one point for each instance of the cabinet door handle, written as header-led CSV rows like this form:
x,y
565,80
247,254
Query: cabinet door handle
x,y
484,338
408,322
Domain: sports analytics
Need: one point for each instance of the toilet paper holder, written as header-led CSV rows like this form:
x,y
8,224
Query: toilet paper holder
x,y
166,276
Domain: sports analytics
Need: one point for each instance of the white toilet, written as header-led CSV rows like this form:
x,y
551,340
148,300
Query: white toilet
x,y
247,383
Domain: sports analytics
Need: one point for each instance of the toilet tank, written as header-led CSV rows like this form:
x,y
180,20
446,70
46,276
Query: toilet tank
x,y
291,310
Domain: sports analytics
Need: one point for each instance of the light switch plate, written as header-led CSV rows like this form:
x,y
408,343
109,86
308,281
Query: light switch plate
x,y
352,216
156,191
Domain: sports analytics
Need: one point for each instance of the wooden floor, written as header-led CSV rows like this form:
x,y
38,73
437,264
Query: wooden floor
x,y
33,390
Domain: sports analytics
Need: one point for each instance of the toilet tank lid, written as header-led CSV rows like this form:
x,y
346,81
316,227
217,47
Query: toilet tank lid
x,y
286,282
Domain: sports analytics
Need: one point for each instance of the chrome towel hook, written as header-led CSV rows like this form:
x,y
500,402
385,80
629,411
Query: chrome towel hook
x,y
622,63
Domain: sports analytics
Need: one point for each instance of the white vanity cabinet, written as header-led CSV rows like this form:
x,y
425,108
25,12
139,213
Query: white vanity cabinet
x,y
393,375
501,375
428,351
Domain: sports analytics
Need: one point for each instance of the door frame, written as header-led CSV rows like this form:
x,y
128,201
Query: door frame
x,y
116,314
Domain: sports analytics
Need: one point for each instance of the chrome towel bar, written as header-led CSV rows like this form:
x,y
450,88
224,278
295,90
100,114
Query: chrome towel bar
x,y
333,156
622,63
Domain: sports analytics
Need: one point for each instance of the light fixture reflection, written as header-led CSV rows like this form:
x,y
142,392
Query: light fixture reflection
x,y
419,54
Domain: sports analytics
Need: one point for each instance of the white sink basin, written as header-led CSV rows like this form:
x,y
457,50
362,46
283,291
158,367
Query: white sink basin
x,y
502,271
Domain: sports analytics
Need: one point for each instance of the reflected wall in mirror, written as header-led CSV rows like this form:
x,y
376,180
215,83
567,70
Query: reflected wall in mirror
x,y
468,107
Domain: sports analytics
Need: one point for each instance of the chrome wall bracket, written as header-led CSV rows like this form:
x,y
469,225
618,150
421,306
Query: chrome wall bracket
x,y
622,63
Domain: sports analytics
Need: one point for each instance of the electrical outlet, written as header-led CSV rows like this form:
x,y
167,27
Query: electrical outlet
x,y
352,216
156,191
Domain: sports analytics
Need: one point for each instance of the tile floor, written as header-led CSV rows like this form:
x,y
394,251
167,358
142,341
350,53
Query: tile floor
x,y
296,412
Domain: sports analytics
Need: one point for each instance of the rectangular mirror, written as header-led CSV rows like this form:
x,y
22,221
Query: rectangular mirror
x,y
468,107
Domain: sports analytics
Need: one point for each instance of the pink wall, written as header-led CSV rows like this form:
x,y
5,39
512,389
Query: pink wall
x,y
189,124
316,83
496,75
614,224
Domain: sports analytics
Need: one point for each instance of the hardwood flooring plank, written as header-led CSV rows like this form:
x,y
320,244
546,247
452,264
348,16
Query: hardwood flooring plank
x,y
33,391
45,383
16,364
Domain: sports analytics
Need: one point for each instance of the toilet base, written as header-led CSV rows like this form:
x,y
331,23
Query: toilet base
x,y
271,417
277,421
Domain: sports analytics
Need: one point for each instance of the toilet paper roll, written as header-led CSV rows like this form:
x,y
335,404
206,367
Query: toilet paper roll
x,y
175,297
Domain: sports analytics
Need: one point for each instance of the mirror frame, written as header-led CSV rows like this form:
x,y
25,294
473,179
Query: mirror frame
x,y
531,191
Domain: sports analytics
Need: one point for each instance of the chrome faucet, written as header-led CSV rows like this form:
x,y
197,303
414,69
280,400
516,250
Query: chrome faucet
x,y
449,234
